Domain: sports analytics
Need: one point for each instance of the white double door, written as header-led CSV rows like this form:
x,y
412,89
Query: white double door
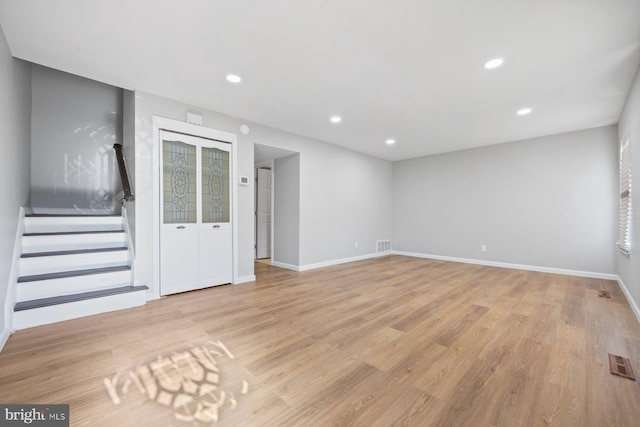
x,y
196,243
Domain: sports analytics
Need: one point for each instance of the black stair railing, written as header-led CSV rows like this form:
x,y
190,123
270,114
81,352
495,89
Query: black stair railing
x,y
124,177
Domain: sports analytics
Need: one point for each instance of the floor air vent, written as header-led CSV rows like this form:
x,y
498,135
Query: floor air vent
x,y
621,366
383,246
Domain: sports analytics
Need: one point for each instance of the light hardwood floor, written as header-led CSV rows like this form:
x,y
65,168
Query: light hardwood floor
x,y
387,341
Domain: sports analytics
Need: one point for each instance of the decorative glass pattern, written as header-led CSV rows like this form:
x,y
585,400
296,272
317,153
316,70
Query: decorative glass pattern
x,y
179,182
215,185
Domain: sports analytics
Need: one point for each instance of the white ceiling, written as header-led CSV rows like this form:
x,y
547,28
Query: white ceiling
x,y
407,69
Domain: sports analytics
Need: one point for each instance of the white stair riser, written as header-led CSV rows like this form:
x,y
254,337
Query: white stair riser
x,y
57,313
32,244
55,221
58,263
34,290
72,211
65,228
27,291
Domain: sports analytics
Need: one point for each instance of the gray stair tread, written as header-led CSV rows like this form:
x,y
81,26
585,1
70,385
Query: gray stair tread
x,y
71,252
62,233
63,299
74,215
73,273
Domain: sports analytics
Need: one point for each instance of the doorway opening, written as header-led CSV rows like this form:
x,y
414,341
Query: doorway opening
x,y
268,245
263,213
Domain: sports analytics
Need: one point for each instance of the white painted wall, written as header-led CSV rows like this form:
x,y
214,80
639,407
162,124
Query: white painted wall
x,y
629,265
75,122
547,202
146,106
15,130
286,202
344,196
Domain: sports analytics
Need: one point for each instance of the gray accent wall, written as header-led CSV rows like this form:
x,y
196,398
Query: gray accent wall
x,y
286,203
629,265
546,202
75,122
15,130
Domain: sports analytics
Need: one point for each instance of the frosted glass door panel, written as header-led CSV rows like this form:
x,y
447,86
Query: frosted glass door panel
x,y
215,185
179,182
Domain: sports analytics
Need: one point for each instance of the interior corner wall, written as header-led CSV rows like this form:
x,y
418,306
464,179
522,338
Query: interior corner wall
x,y
629,265
286,203
345,196
547,202
15,132
345,203
75,122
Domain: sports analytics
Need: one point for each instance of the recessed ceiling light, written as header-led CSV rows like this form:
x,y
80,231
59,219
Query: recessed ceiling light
x,y
336,119
494,63
524,111
234,78
390,141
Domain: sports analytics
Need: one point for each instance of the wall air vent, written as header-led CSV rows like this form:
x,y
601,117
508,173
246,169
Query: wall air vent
x,y
383,246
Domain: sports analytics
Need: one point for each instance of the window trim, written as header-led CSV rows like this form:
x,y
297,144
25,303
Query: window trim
x,y
624,196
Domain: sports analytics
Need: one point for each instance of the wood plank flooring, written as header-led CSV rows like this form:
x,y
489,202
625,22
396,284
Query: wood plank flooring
x,y
381,342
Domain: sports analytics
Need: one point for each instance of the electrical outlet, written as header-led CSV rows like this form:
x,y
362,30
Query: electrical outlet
x,y
355,245
483,248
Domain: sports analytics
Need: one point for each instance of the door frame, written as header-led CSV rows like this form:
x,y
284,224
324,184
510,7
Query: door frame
x,y
264,165
171,125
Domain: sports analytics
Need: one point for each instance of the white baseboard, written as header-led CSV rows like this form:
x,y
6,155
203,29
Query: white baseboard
x,y
632,303
565,272
284,265
327,263
245,279
4,336
11,296
341,261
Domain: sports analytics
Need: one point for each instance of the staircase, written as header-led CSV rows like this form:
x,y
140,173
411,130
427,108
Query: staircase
x,y
73,266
